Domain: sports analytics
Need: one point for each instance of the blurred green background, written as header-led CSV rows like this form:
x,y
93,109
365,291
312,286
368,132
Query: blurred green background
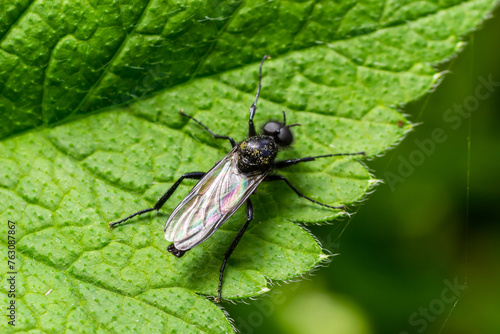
x,y
409,248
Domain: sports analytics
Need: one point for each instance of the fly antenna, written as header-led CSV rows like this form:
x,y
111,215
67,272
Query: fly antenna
x,y
284,121
254,105
253,108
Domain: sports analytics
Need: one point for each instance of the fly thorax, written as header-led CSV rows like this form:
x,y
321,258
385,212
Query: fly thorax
x,y
257,154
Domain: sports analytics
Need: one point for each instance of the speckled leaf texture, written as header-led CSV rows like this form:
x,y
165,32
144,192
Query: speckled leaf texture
x,y
89,99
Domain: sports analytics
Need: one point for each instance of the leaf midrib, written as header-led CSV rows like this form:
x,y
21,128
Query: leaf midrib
x,y
107,69
70,117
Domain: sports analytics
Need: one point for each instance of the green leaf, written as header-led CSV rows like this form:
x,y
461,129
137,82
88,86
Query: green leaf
x,y
337,68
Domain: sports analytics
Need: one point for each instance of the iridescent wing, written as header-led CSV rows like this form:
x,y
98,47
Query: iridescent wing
x,y
214,199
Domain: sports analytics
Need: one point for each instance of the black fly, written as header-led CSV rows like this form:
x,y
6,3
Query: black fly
x,y
229,184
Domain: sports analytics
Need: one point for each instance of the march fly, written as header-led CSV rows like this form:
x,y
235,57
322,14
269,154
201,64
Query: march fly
x,y
224,188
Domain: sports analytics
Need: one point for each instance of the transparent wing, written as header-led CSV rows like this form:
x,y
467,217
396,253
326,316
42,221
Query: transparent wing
x,y
214,199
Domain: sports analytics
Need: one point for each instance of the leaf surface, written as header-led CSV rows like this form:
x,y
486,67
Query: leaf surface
x,y
112,77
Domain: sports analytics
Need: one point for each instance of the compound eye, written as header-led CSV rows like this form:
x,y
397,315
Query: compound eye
x,y
271,128
285,136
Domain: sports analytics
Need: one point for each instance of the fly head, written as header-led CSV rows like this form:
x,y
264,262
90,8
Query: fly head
x,y
280,131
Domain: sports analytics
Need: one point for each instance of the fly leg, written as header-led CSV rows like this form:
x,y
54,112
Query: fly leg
x,y
286,163
164,198
253,108
233,246
233,143
282,178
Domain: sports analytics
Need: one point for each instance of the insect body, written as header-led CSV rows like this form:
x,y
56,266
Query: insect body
x,y
229,184
210,203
